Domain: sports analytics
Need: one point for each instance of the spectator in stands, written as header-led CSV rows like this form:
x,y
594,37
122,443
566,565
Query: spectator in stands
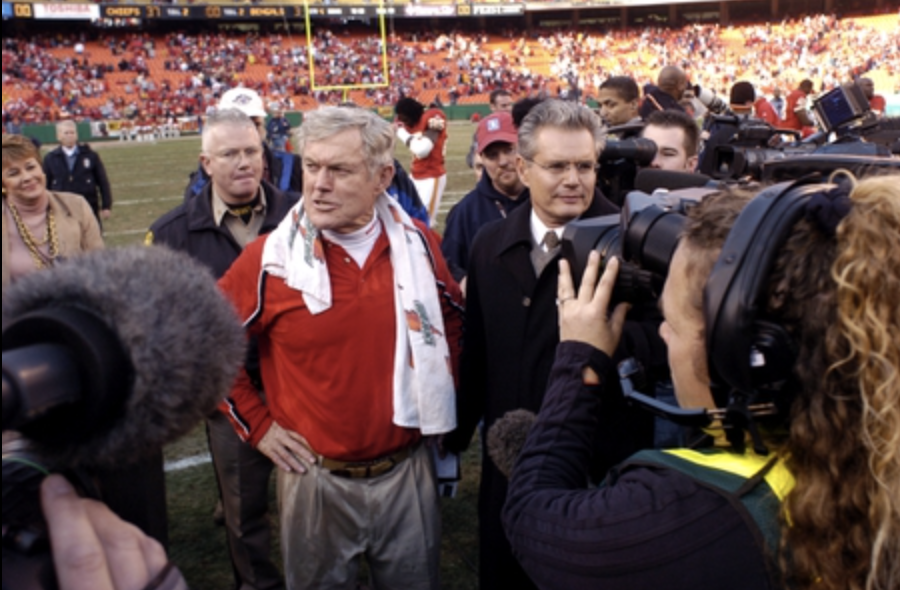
x,y
876,101
677,140
618,98
278,130
282,169
233,209
499,191
358,326
424,132
796,109
665,96
745,101
75,168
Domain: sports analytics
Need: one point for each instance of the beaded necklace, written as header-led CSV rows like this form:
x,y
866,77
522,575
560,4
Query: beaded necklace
x,y
41,260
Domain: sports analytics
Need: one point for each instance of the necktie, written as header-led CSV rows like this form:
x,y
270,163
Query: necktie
x,y
551,240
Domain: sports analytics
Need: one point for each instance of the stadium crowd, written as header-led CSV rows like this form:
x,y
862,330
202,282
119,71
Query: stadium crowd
x,y
109,75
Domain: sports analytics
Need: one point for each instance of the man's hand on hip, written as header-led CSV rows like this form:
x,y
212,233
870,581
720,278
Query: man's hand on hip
x,y
287,449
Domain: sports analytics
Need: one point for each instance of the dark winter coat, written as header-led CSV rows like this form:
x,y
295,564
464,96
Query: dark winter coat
x,y
511,333
87,178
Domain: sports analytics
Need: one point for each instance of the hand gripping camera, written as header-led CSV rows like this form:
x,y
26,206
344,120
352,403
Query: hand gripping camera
x,y
751,358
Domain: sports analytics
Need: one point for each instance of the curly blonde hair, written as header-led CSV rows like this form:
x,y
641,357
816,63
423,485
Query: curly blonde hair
x,y
841,528
838,295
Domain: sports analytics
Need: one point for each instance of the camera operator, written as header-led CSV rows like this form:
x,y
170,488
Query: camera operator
x,y
710,518
677,139
669,90
93,549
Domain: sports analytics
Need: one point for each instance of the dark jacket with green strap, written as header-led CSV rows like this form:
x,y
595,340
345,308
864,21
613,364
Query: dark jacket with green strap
x,y
658,522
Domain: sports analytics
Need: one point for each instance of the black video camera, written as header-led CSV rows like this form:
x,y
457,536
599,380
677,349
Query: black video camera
x,y
742,147
620,161
644,236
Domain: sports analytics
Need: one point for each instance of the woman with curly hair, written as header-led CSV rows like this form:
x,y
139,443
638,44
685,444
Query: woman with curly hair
x,y
807,497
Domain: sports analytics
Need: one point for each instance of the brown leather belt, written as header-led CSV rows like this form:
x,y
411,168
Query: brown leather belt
x,y
365,469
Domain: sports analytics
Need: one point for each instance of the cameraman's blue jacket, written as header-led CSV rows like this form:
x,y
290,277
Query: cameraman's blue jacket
x,y
482,205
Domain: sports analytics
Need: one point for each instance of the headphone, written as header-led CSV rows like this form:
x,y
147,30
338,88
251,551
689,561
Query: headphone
x,y
750,356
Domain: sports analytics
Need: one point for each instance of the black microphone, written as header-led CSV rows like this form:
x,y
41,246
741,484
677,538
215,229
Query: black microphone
x,y
110,355
506,437
650,179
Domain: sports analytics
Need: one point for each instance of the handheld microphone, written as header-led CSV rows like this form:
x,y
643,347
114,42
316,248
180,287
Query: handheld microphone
x,y
110,355
506,437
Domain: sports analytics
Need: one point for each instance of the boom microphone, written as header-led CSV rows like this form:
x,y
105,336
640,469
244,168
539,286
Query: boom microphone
x,y
110,355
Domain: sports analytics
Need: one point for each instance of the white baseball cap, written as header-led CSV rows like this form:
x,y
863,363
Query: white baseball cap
x,y
244,100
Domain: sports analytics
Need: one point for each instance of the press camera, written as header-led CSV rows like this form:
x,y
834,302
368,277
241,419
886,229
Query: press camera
x,y
852,137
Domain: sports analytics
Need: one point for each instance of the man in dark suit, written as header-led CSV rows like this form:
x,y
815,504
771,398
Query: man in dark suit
x,y
75,168
511,321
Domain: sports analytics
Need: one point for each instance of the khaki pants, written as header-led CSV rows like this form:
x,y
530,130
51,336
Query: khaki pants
x,y
327,522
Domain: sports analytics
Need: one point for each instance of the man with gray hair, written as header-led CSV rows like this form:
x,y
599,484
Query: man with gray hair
x,y
75,168
511,322
358,322
233,209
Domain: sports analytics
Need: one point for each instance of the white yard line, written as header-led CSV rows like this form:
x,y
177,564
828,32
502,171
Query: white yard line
x,y
145,201
188,462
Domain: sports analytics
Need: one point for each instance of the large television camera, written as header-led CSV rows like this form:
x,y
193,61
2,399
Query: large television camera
x,y
853,138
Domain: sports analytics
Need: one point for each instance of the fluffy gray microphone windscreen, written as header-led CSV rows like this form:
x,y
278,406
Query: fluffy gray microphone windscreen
x,y
506,437
183,339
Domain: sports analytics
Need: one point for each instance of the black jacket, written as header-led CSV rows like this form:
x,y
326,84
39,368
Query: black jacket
x,y
511,333
190,227
87,178
648,527
657,100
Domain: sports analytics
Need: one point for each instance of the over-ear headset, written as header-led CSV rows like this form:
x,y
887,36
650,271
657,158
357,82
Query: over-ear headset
x,y
750,356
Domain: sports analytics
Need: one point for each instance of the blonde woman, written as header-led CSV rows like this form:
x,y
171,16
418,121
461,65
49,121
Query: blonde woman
x,y
40,227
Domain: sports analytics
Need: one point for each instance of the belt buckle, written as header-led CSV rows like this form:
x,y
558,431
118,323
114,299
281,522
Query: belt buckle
x,y
365,470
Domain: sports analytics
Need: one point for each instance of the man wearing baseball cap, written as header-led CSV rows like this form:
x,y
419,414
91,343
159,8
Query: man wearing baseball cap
x,y
282,169
498,192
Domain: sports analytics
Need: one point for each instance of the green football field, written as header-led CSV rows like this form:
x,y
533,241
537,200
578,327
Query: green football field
x,y
147,180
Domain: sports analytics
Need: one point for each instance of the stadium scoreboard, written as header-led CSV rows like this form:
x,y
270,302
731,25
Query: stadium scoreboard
x,y
175,12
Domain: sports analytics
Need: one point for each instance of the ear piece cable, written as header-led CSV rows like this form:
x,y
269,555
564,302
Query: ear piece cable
x,y
736,419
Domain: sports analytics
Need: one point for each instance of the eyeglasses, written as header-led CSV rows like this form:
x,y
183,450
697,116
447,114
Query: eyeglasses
x,y
559,169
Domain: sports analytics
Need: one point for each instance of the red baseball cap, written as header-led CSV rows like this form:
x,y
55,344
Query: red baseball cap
x,y
493,128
